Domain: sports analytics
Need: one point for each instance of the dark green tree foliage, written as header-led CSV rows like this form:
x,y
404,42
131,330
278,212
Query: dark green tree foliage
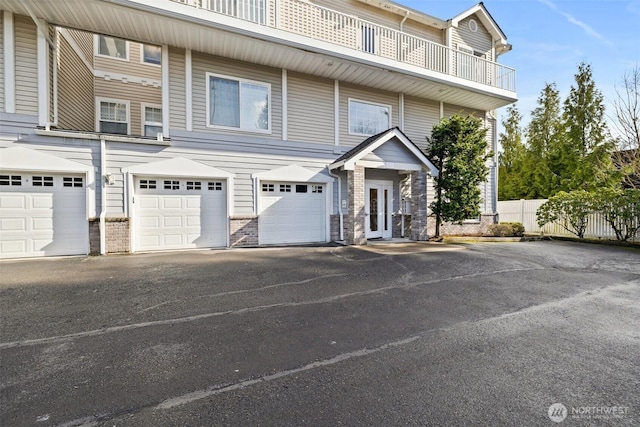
x,y
512,158
588,147
545,137
458,148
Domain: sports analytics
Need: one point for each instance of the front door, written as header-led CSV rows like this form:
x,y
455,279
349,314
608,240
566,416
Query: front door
x,y
378,208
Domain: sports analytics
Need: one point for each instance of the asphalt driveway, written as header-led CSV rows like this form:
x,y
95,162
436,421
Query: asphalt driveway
x,y
405,334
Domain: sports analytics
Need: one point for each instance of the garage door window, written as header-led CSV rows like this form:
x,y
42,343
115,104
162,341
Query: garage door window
x,y
194,185
68,181
268,188
215,186
301,188
10,180
316,189
285,188
172,185
42,181
148,184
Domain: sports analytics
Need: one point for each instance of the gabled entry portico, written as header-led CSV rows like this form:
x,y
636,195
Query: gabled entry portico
x,y
384,173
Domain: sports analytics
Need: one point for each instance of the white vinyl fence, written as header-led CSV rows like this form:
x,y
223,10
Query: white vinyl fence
x,y
524,211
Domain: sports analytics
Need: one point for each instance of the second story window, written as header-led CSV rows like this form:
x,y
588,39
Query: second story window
x,y
113,116
151,54
366,118
152,120
238,104
113,47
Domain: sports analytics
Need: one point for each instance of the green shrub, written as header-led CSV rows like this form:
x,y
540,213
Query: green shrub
x,y
507,229
570,210
621,210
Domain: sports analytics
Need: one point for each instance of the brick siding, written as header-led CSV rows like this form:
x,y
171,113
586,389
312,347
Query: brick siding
x,y
244,231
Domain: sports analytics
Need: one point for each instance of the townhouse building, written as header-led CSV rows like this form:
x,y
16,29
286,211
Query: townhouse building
x,y
140,125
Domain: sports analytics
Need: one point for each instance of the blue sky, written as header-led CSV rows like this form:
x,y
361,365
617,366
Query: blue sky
x,y
550,38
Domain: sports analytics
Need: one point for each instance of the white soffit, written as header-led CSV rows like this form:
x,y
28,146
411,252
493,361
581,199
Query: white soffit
x,y
178,167
293,173
25,159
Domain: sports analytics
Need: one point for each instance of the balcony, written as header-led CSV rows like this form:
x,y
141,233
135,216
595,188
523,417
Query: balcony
x,y
309,20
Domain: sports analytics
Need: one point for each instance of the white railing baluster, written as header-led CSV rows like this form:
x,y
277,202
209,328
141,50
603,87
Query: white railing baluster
x,y
321,23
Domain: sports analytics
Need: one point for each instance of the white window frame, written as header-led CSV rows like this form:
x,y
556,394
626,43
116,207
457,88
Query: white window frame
x,y
99,100
143,115
96,48
240,81
377,104
142,61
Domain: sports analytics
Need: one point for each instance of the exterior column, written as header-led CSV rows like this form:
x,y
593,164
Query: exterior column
x,y
419,206
355,232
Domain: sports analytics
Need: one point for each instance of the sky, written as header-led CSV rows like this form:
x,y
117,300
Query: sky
x,y
551,37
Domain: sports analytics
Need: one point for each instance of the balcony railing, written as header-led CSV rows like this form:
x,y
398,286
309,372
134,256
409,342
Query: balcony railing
x,y
320,23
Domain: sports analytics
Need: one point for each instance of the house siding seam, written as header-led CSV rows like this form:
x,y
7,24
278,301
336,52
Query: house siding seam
x,y
177,82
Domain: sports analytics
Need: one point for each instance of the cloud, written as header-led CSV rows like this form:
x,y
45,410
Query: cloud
x,y
573,20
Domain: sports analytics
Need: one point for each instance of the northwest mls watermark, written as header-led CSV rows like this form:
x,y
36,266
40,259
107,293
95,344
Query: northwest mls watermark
x,y
558,412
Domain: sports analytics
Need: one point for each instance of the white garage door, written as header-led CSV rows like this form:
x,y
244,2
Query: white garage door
x,y
292,213
180,213
42,215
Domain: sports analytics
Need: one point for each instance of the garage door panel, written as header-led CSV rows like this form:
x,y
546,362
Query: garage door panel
x,y
292,217
11,201
171,202
185,218
172,221
13,224
42,224
42,201
149,202
43,221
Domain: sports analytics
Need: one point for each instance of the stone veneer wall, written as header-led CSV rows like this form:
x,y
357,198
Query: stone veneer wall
x,y
116,233
244,231
354,220
419,223
468,228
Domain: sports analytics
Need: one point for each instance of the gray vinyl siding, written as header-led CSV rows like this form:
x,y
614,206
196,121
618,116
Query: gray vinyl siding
x,y
177,107
480,41
84,40
420,30
203,64
363,11
135,93
361,93
26,66
243,165
419,117
392,152
76,101
133,66
310,109
75,149
2,61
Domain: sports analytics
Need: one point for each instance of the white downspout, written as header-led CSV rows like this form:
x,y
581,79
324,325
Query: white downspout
x,y
340,214
103,197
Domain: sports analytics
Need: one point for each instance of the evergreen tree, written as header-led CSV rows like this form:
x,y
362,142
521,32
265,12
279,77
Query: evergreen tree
x,y
587,152
459,150
545,169
511,160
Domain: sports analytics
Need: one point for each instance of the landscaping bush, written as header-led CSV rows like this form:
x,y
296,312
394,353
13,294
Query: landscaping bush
x,y
621,209
570,210
507,229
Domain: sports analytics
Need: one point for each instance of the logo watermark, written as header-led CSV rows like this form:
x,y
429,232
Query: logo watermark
x,y
558,412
